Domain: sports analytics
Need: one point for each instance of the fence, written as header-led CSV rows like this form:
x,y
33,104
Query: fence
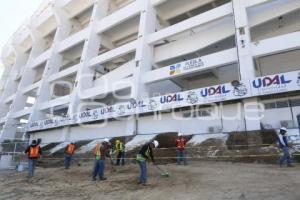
x,y
12,153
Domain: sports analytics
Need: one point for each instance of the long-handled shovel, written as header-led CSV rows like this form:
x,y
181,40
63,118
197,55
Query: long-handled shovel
x,y
165,174
113,167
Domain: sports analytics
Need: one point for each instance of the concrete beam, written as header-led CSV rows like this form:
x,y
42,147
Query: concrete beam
x,y
250,3
118,17
64,73
41,58
31,87
158,2
211,34
117,52
283,43
175,8
107,89
73,40
190,23
116,75
21,113
42,17
10,98
271,10
55,102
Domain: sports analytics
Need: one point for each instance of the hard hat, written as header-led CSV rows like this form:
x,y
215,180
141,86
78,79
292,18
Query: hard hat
x,y
283,129
155,142
106,140
117,141
179,134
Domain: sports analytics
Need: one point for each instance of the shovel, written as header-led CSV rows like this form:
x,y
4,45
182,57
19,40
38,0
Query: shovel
x,y
113,167
165,174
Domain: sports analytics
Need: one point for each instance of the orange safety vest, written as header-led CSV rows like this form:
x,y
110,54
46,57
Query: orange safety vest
x,y
34,152
180,143
70,149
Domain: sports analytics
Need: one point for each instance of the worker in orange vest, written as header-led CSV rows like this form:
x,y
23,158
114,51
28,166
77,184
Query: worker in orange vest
x,y
34,151
101,151
69,151
180,149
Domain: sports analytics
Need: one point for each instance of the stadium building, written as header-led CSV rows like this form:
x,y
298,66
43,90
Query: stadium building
x,y
88,69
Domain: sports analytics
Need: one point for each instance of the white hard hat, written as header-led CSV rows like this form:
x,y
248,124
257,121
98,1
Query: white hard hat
x,y
155,142
179,134
106,140
283,129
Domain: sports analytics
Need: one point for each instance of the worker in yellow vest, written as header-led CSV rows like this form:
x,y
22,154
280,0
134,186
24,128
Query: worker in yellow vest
x,y
120,149
101,151
34,151
145,154
69,151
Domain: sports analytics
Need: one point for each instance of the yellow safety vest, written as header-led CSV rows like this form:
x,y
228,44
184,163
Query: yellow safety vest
x,y
97,152
120,147
141,158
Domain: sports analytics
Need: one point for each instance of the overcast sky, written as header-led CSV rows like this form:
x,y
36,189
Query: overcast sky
x,y
12,14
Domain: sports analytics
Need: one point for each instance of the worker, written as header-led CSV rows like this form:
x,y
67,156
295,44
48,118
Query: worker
x,y
180,149
120,150
284,146
145,154
69,151
101,151
34,151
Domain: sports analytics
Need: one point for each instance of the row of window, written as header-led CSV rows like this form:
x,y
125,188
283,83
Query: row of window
x,y
199,113
282,104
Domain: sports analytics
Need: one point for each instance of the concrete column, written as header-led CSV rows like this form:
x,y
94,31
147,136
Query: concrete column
x,y
4,79
9,129
52,65
84,78
5,74
144,51
29,74
246,63
11,84
144,54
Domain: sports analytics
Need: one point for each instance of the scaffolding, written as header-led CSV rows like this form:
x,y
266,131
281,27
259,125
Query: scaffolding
x,y
12,150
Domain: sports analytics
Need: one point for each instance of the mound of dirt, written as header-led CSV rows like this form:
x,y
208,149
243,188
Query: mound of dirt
x,y
256,146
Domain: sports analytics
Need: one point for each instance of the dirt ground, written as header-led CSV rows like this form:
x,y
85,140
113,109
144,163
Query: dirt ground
x,y
198,180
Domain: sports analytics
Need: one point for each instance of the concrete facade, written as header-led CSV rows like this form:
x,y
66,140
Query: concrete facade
x,y
74,56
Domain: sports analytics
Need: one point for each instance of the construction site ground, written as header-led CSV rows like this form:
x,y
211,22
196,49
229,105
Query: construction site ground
x,y
201,180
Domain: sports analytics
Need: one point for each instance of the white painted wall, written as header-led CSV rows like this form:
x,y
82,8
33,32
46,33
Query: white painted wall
x,y
87,132
167,123
295,113
274,116
233,119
